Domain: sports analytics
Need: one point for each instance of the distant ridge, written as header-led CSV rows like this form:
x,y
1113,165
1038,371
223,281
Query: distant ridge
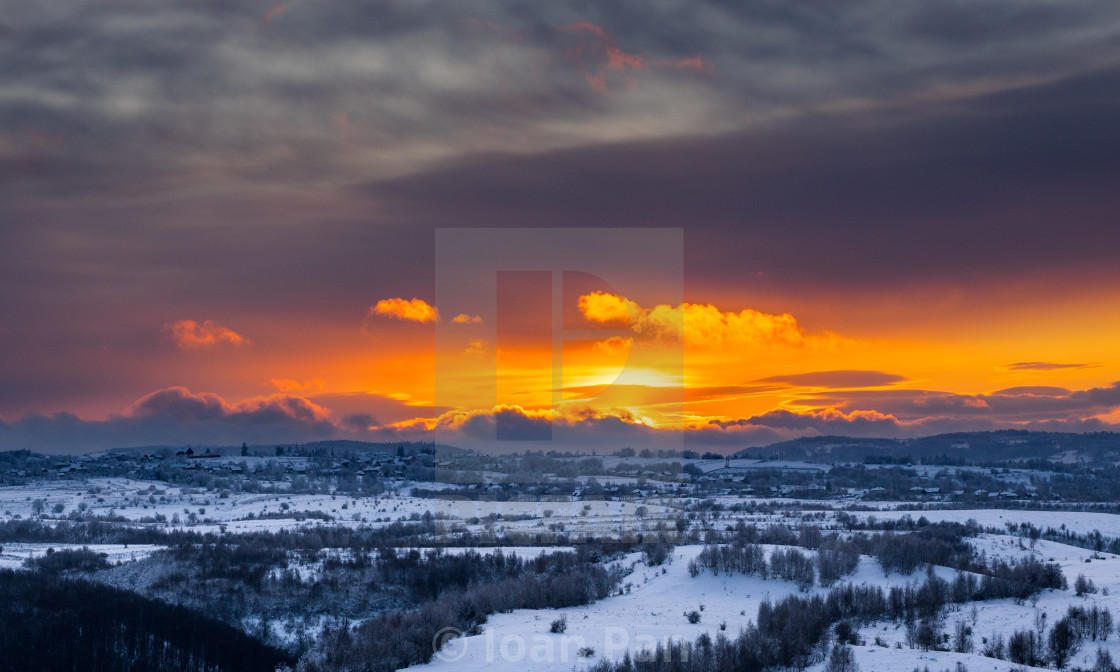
x,y
995,446
339,446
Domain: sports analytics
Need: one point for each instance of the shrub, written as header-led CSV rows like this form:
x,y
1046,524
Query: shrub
x,y
792,565
1062,642
586,652
1024,648
656,553
693,616
842,660
834,563
846,634
69,560
559,625
1104,661
1084,585
962,638
398,639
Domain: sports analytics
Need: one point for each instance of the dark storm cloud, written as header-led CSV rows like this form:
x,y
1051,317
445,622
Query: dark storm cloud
x,y
824,423
174,417
1010,405
172,124
359,421
1001,187
378,409
785,424
507,424
151,93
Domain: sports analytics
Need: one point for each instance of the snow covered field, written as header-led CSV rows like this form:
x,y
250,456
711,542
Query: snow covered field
x,y
14,555
151,501
655,600
1080,522
654,611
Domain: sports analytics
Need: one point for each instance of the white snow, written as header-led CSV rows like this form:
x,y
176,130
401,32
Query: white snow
x,y
15,554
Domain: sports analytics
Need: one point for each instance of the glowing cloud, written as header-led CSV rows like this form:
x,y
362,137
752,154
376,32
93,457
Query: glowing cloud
x,y
604,307
615,345
415,310
463,318
190,335
701,325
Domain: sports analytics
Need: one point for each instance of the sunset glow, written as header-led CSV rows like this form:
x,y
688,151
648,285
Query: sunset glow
x,y
227,236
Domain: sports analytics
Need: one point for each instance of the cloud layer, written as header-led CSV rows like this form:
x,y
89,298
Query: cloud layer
x,y
176,416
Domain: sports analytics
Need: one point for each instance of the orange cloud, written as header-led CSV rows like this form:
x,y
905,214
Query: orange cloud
x,y
604,307
701,325
463,318
289,385
415,310
615,345
190,335
593,52
275,12
598,56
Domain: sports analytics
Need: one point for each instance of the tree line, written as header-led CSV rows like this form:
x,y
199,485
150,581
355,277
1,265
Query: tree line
x,y
405,637
793,632
58,624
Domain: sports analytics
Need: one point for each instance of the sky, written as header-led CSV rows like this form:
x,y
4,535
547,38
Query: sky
x,y
567,225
